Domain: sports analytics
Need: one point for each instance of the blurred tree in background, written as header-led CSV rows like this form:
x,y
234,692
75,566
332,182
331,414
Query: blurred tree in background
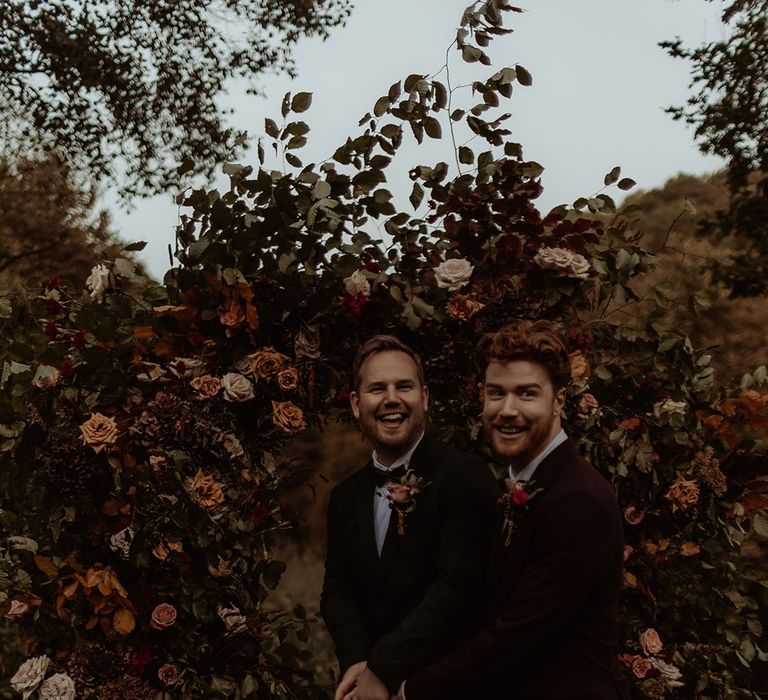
x,y
137,85
727,108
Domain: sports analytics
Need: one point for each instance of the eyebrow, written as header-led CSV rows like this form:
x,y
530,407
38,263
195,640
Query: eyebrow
x,y
534,385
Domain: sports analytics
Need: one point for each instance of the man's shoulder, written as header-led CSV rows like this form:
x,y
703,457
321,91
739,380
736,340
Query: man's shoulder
x,y
350,484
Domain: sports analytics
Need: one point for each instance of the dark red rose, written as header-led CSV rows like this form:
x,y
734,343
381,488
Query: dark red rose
x,y
519,497
67,369
52,306
140,660
51,330
53,283
78,339
354,304
260,514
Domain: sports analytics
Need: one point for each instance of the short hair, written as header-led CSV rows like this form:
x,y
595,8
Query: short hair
x,y
384,343
537,341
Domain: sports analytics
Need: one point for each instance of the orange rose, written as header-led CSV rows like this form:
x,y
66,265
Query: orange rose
x,y
266,363
651,642
690,549
462,307
99,431
630,580
682,494
579,365
163,616
288,416
208,492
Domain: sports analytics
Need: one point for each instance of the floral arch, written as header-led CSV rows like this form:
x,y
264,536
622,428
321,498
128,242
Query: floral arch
x,y
142,427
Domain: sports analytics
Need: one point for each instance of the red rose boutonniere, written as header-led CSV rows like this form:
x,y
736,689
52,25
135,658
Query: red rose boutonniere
x,y
515,504
402,496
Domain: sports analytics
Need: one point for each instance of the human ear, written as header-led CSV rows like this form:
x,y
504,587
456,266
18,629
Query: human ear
x,y
354,402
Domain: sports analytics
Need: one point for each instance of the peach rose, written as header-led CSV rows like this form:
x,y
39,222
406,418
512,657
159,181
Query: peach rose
x,y
690,549
266,363
206,386
640,666
628,551
682,494
630,580
288,416
399,493
651,642
462,307
208,492
17,609
587,405
160,552
168,674
99,431
163,616
633,515
579,365
288,379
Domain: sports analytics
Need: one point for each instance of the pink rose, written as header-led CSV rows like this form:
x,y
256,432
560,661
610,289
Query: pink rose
x,y
651,642
641,666
168,674
633,515
206,386
163,616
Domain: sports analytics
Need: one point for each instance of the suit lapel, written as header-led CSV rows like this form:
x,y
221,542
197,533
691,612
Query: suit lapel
x,y
363,505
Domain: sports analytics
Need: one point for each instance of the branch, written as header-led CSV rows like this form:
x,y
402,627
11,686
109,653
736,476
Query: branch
x,y
20,256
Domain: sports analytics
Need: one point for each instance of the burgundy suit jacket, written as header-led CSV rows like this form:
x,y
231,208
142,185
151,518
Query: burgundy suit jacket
x,y
551,625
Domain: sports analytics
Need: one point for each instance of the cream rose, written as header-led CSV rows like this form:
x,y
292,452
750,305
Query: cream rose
x,y
669,408
453,274
357,283
163,616
233,446
288,416
237,388
121,541
563,262
99,431
651,642
671,674
307,343
46,377
30,675
233,620
58,687
98,282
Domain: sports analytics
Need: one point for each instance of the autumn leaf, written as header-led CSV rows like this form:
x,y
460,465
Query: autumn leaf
x,y
124,621
47,566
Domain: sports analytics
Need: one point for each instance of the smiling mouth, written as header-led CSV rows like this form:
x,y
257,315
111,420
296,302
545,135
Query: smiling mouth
x,y
511,430
392,419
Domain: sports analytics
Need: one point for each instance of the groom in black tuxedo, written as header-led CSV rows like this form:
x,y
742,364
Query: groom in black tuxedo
x,y
401,586
556,566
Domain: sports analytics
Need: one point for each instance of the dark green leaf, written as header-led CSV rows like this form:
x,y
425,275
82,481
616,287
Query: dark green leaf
x,y
138,245
612,176
270,126
626,183
301,102
523,76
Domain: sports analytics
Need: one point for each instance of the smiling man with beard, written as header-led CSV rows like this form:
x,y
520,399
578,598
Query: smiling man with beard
x,y
401,585
551,630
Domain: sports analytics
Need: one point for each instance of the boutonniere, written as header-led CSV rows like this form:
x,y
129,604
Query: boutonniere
x,y
402,496
515,503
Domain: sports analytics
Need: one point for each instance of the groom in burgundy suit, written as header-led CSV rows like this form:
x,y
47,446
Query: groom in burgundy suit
x,y
556,566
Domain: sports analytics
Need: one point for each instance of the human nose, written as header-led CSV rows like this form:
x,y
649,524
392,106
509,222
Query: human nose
x,y
509,406
391,395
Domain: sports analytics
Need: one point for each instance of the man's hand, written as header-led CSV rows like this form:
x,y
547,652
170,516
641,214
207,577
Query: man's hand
x,y
368,687
349,680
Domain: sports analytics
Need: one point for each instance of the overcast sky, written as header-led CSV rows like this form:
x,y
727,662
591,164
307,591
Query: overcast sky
x,y
600,87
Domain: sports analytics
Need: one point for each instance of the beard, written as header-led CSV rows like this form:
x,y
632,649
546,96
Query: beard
x,y
520,449
393,443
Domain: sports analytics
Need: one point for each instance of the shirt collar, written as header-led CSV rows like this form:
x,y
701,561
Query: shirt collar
x,y
402,460
527,473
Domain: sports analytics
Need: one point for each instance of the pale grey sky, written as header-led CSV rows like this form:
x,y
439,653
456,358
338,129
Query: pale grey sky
x,y
600,86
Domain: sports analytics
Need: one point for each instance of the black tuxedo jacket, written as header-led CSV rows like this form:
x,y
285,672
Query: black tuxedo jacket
x,y
415,603
551,631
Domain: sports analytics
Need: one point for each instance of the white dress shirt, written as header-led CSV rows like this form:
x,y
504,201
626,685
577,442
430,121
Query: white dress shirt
x,y
381,510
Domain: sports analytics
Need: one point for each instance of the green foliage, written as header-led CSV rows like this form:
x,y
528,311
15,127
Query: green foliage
x,y
98,80
281,277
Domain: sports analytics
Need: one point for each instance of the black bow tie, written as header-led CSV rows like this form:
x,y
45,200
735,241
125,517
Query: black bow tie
x,y
382,476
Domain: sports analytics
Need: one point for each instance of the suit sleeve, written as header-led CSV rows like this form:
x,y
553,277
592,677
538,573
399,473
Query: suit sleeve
x,y
466,529
340,604
574,548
